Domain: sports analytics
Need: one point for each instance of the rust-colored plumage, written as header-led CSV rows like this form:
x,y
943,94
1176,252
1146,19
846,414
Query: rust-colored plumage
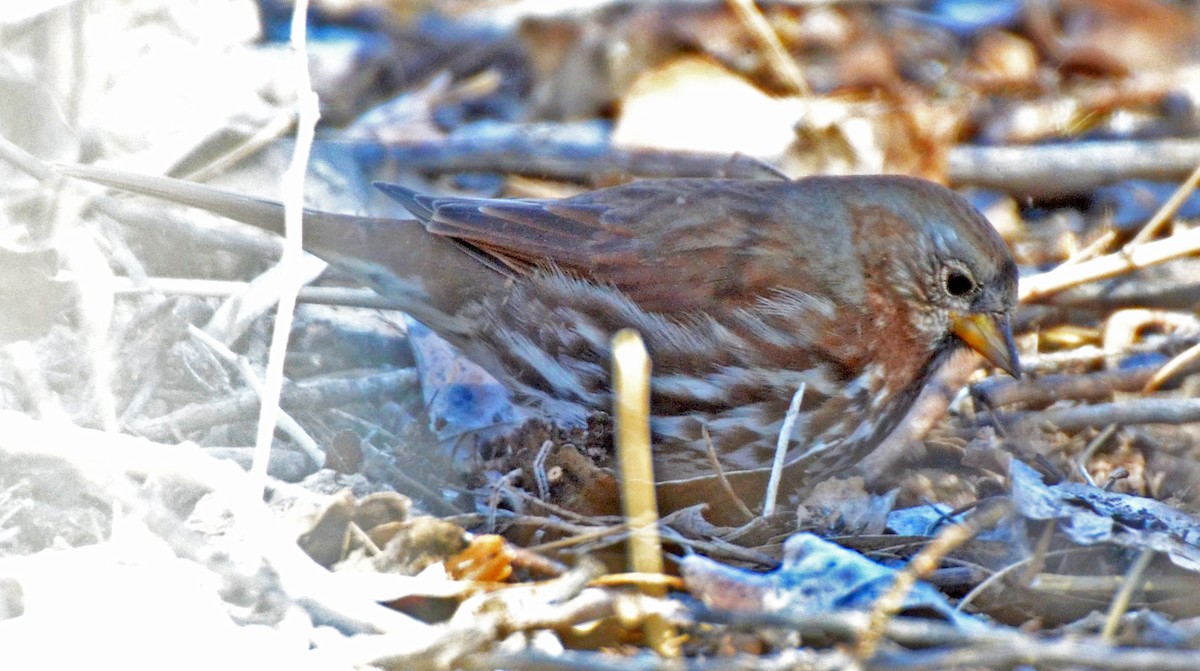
x,y
855,287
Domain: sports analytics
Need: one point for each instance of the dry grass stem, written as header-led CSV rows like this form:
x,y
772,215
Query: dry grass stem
x,y
1120,602
1051,282
631,399
747,514
925,561
1181,362
783,66
1168,210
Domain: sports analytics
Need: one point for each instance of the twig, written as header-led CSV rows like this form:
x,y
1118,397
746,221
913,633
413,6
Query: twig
x,y
1027,651
999,575
498,487
1116,475
1051,282
535,150
293,252
781,445
287,465
722,550
998,392
721,479
1160,587
1133,411
539,469
244,405
1167,210
581,537
532,500
925,561
1089,356
1037,560
24,161
108,458
1123,328
782,65
1120,602
847,625
1063,169
1040,170
344,296
286,421
1170,369
1097,246
238,313
533,659
638,579
510,13
271,131
475,519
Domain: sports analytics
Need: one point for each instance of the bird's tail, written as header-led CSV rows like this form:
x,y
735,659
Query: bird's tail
x,y
429,275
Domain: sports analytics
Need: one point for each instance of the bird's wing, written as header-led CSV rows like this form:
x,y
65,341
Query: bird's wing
x,y
521,233
671,245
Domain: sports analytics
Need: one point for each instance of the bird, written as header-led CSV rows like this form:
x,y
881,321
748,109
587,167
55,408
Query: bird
x,y
855,288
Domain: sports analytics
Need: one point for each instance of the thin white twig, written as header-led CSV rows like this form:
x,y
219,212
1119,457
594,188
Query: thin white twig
x,y
781,445
308,112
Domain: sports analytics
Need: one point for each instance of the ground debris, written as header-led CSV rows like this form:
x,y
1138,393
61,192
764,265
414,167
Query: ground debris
x,y
411,518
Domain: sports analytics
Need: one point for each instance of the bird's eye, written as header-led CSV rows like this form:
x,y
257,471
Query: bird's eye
x,y
959,283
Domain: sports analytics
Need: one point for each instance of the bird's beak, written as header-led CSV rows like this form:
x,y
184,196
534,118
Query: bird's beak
x,y
991,336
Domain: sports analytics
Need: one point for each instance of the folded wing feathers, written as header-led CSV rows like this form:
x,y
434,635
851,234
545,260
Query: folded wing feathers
x,y
529,231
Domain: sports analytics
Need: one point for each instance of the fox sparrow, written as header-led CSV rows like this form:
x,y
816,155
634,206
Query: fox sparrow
x,y
855,287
